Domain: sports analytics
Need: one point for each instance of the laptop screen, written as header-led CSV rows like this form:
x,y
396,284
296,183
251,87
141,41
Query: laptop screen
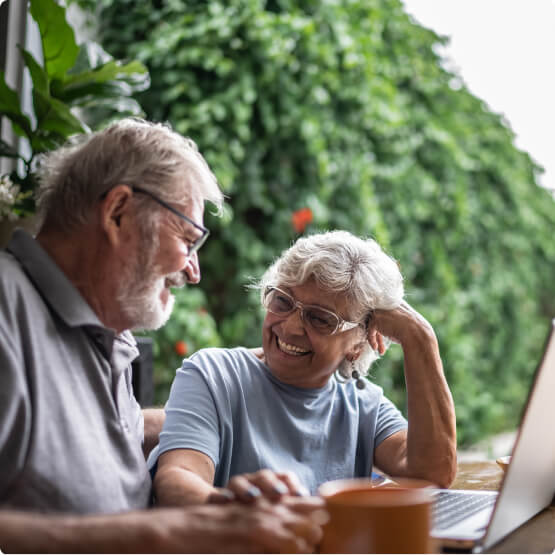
x,y
529,482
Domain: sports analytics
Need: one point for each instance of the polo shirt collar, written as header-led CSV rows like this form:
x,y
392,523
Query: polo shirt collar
x,y
51,282
60,294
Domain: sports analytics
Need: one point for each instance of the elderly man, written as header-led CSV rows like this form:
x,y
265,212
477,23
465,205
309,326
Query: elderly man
x,y
122,221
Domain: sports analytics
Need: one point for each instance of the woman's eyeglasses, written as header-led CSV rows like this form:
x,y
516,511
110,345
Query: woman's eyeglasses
x,y
321,320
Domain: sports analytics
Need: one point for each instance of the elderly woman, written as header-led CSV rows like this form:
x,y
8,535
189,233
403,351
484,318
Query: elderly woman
x,y
296,413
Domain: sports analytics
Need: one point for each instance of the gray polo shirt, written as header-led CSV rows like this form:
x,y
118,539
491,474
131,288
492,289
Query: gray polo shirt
x,y
70,428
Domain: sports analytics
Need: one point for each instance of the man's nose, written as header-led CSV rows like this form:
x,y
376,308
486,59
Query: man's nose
x,y
192,269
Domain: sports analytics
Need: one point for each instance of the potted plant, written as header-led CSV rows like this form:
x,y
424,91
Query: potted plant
x,y
75,88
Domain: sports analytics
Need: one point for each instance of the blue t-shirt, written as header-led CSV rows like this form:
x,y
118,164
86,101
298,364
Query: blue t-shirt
x,y
227,404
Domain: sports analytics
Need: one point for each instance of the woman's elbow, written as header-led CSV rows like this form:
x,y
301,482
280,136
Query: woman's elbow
x,y
440,471
446,470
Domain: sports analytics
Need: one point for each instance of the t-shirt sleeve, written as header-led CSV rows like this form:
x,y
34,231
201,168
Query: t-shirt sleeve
x,y
390,420
15,413
192,420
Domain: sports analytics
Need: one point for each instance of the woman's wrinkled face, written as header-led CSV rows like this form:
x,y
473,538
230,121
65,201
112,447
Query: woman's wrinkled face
x,y
298,355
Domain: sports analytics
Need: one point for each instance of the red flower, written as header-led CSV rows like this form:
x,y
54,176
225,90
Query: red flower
x,y
180,348
301,218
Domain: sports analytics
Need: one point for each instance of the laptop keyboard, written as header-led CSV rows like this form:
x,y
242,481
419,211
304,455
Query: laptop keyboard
x,y
451,507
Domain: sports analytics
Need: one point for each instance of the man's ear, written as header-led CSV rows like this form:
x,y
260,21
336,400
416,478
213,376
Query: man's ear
x,y
114,210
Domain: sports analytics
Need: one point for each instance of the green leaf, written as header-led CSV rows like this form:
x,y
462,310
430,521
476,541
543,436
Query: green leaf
x,y
9,99
57,117
9,107
133,72
39,77
91,55
42,104
118,104
93,58
109,80
92,92
58,40
43,142
41,92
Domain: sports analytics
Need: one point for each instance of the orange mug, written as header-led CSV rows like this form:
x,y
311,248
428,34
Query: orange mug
x,y
392,518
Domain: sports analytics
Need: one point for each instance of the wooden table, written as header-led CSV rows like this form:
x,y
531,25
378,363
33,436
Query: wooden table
x,y
535,536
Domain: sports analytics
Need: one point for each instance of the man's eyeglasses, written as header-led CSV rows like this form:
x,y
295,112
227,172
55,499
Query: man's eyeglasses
x,y
197,243
321,320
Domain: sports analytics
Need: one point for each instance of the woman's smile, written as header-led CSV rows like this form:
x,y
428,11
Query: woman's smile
x,y
289,349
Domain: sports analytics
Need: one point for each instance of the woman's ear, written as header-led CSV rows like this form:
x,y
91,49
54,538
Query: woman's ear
x,y
114,207
355,373
356,350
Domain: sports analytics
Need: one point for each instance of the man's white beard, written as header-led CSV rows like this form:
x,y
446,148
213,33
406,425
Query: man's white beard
x,y
149,312
139,295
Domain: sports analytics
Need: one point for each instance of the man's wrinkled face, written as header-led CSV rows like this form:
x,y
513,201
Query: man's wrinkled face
x,y
160,264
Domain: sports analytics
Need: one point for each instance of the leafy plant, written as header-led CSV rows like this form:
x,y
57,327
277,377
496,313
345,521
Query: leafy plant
x,y
345,109
74,87
192,328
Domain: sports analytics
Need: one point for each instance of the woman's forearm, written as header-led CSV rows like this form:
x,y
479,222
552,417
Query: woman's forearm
x,y
431,439
175,486
428,450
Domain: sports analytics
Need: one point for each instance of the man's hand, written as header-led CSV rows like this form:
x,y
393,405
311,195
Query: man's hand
x,y
261,527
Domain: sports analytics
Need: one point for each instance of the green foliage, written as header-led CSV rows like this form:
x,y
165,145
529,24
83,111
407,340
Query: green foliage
x,y
74,86
192,328
344,108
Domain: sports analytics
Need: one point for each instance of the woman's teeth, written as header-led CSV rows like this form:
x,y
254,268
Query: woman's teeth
x,y
290,349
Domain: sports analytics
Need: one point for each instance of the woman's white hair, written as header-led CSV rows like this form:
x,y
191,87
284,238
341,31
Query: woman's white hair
x,y
344,264
131,152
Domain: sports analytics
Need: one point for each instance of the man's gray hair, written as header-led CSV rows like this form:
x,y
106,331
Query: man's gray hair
x,y
130,152
342,264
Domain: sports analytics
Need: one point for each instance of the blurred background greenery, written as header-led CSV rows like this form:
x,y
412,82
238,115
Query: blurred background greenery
x,y
323,114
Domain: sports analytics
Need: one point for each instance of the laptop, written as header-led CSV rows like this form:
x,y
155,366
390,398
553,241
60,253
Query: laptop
x,y
484,518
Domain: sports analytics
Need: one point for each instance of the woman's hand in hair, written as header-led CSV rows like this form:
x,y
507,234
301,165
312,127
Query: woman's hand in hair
x,y
402,325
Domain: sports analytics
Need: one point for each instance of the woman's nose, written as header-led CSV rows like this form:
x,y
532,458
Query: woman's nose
x,y
293,322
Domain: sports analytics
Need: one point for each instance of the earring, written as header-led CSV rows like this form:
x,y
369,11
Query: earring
x,y
360,382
